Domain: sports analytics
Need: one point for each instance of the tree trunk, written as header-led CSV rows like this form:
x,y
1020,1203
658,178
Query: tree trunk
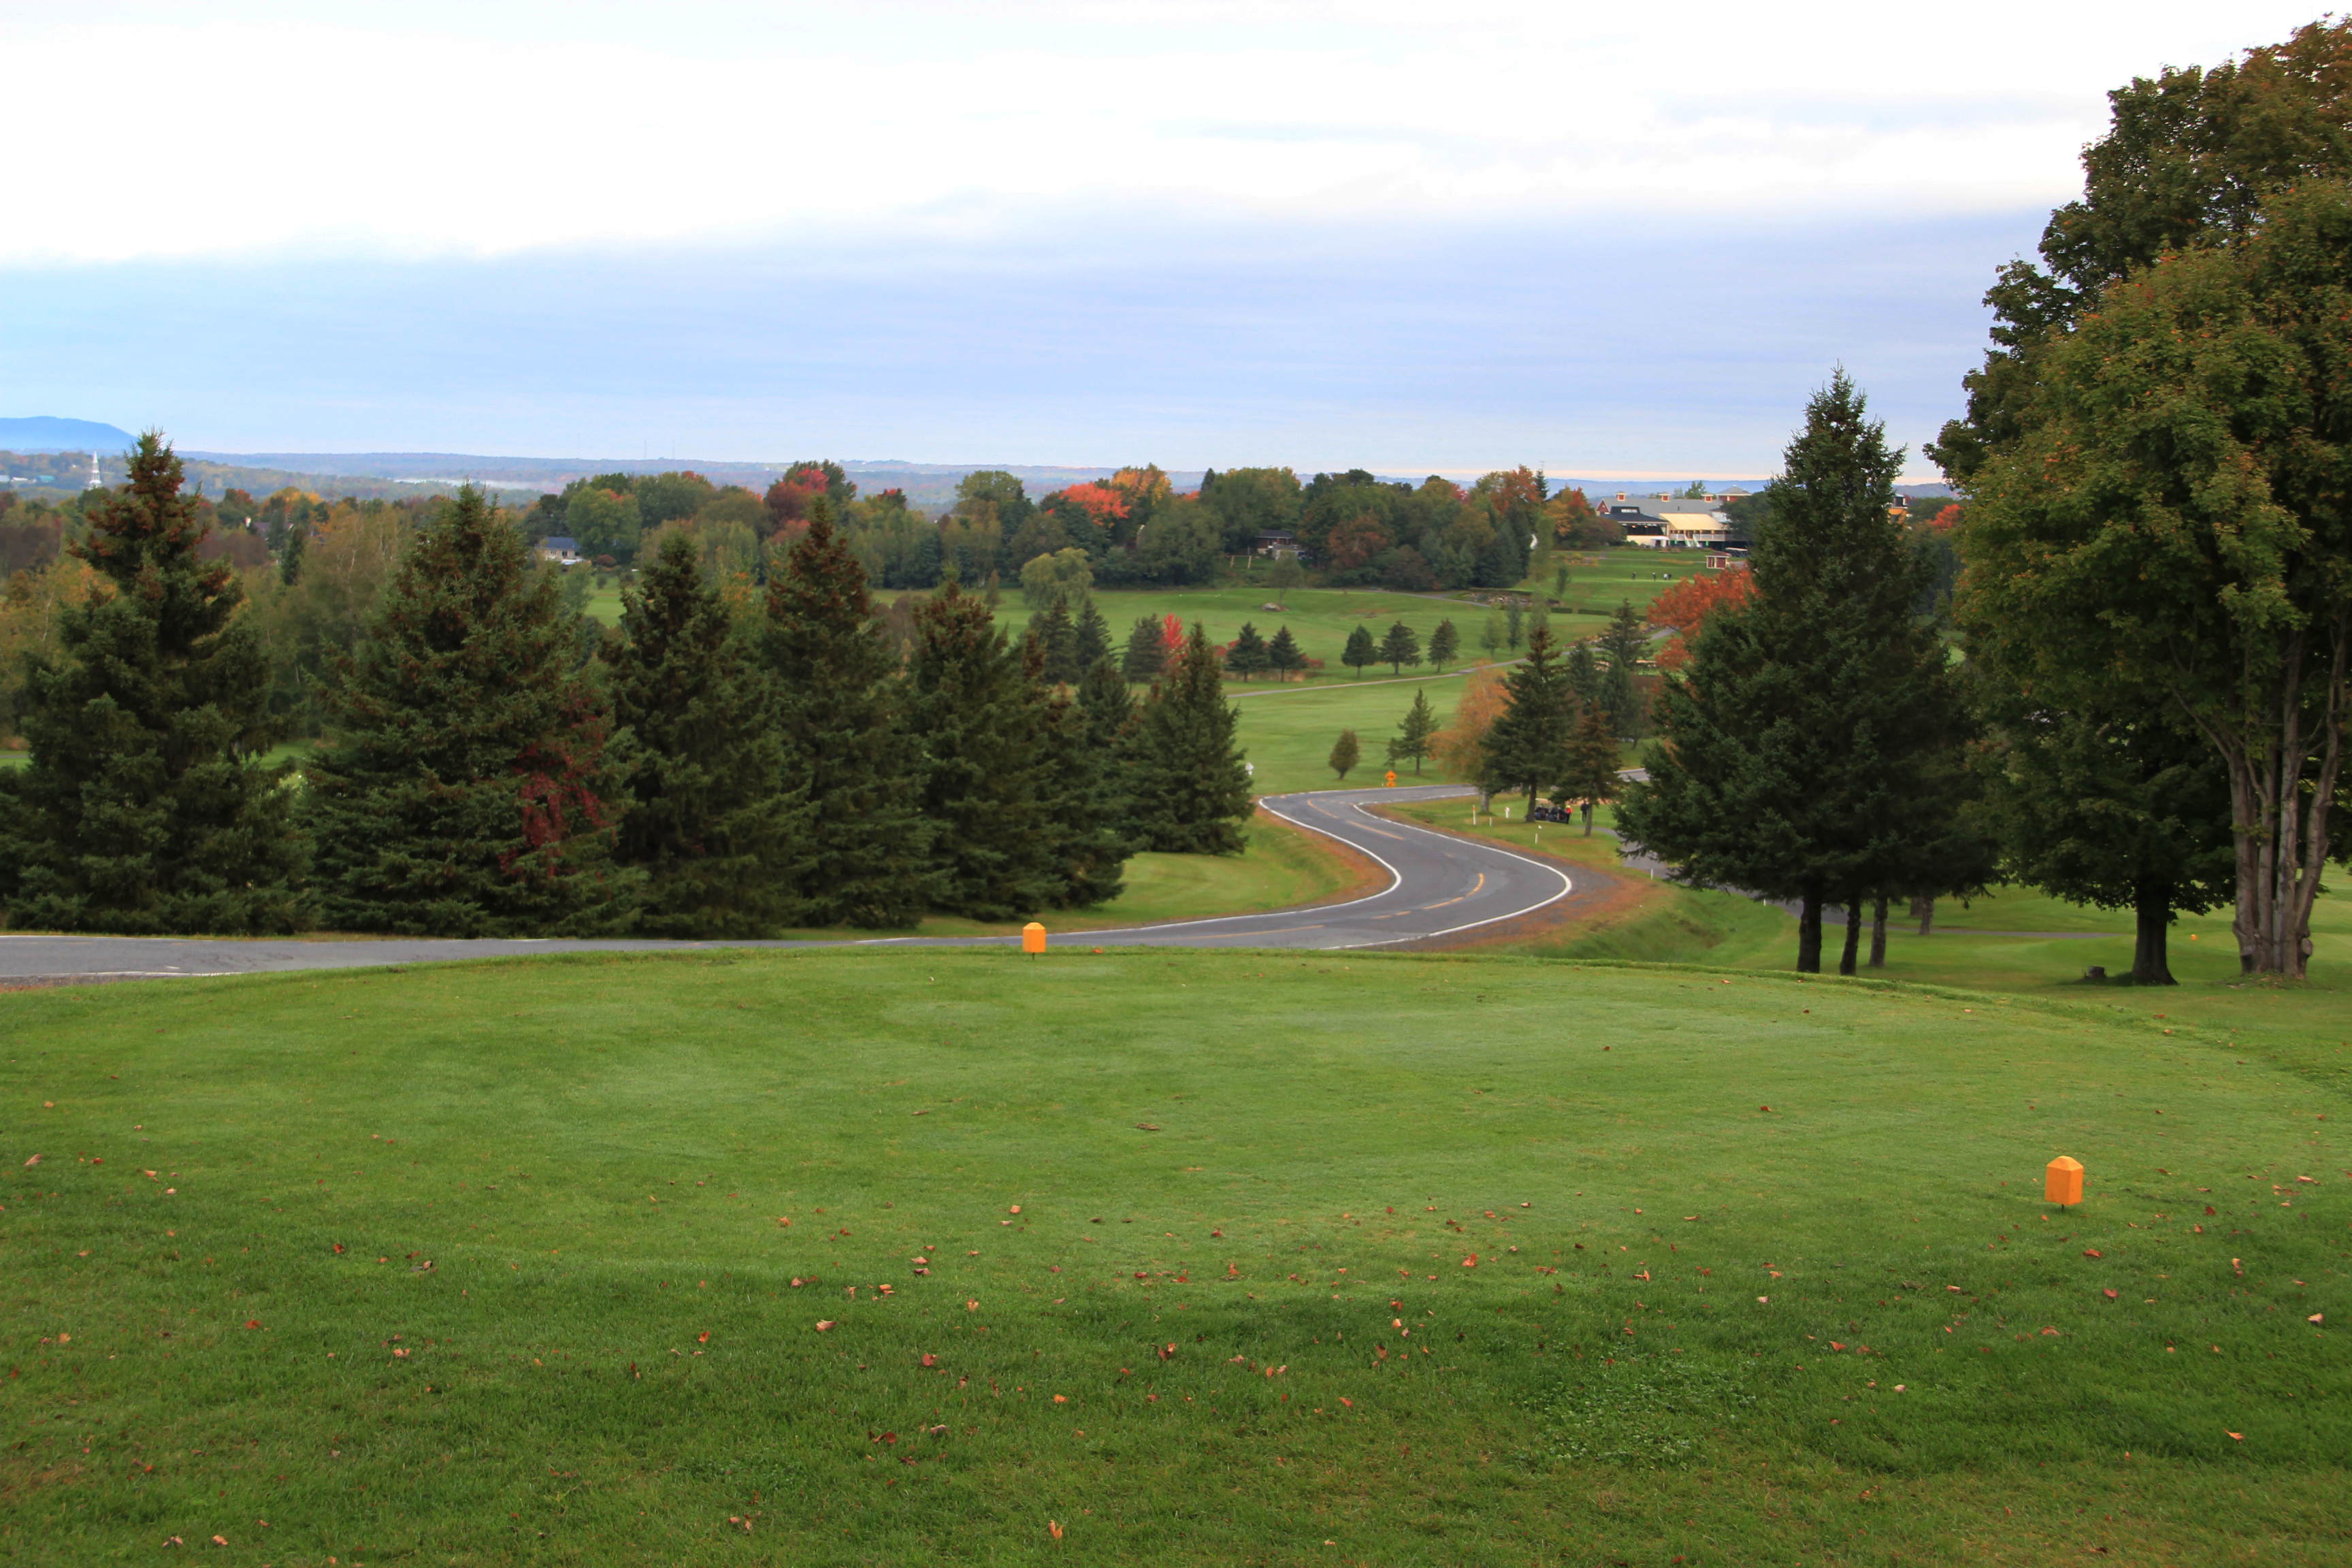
x,y
1588,819
2152,909
2281,806
1924,912
1878,934
1853,934
1809,934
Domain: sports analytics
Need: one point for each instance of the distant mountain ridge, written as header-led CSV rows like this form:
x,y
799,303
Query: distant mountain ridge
x,y
46,433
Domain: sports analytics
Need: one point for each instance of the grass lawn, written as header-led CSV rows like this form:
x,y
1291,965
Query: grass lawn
x,y
488,1263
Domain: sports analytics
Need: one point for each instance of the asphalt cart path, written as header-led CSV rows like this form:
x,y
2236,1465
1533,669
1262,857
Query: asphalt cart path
x,y
1440,887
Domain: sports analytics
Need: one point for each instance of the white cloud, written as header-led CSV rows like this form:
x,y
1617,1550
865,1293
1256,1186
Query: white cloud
x,y
493,129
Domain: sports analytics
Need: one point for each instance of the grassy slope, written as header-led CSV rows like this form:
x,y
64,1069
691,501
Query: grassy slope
x,y
1333,1137
2308,1024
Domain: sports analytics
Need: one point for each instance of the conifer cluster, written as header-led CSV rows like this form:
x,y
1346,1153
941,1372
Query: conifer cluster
x,y
494,765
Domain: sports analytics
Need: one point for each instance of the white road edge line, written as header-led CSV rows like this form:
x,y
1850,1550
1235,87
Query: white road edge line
x,y
1566,887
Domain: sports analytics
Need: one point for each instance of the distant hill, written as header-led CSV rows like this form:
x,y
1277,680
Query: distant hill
x,y
44,433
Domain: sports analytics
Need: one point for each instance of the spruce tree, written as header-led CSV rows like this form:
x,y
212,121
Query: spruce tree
x,y
1411,743
1444,644
1514,624
472,787
865,858
1528,747
1056,636
145,806
1345,753
1081,797
1361,650
1623,640
1400,648
716,819
1588,770
1192,792
1093,639
1810,741
1583,675
1249,655
986,786
1146,654
1284,654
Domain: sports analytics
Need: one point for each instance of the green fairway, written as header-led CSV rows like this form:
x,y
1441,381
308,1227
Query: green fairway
x,y
1321,618
488,1263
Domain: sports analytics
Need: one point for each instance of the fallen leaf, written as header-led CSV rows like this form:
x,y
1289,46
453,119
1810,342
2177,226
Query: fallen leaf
x,y
252,1322
703,1338
1056,1527
2090,1252
2239,1437
930,1359
2316,1317
823,1325
2110,1295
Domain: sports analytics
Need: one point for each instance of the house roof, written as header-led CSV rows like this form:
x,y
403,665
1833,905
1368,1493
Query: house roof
x,y
560,544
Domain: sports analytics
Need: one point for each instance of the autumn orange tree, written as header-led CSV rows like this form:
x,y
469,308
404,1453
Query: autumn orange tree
x,y
1685,607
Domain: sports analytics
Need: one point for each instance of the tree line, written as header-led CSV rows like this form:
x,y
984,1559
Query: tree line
x,y
2121,669
1132,530
486,768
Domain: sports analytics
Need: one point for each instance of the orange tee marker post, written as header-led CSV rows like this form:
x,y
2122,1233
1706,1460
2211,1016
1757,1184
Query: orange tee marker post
x,y
2061,1182
1032,942
1391,784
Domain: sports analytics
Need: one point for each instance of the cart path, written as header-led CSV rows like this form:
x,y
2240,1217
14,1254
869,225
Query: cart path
x,y
1441,888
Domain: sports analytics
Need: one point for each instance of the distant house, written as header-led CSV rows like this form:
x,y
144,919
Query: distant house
x,y
1676,524
1277,543
563,552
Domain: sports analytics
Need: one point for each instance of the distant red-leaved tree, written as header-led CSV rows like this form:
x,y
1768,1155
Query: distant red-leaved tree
x,y
1171,633
1685,607
1101,504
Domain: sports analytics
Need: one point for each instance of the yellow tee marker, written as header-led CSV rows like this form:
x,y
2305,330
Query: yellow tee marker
x,y
1033,939
2062,1180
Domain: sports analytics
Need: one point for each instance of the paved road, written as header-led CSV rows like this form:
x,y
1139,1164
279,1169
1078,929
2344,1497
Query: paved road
x,y
1440,887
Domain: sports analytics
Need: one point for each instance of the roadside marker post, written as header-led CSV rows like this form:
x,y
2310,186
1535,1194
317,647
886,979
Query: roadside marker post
x,y
1033,939
2062,1180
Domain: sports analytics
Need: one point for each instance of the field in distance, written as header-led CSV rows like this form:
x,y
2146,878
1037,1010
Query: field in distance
x,y
1187,1257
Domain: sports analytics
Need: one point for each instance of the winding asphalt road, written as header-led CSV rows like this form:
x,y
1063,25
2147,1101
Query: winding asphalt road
x,y
1441,888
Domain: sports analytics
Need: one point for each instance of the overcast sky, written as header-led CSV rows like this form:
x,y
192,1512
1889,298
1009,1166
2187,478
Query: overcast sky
x,y
1598,238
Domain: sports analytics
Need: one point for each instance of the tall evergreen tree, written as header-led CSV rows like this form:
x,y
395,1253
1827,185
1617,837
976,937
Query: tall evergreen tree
x,y
1400,648
985,784
1092,641
1514,624
1249,655
473,787
1146,654
1193,793
1056,636
1812,736
1583,675
1345,753
1444,644
1361,649
717,817
1588,770
1625,640
1528,746
1081,795
1284,654
1413,739
146,806
866,857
